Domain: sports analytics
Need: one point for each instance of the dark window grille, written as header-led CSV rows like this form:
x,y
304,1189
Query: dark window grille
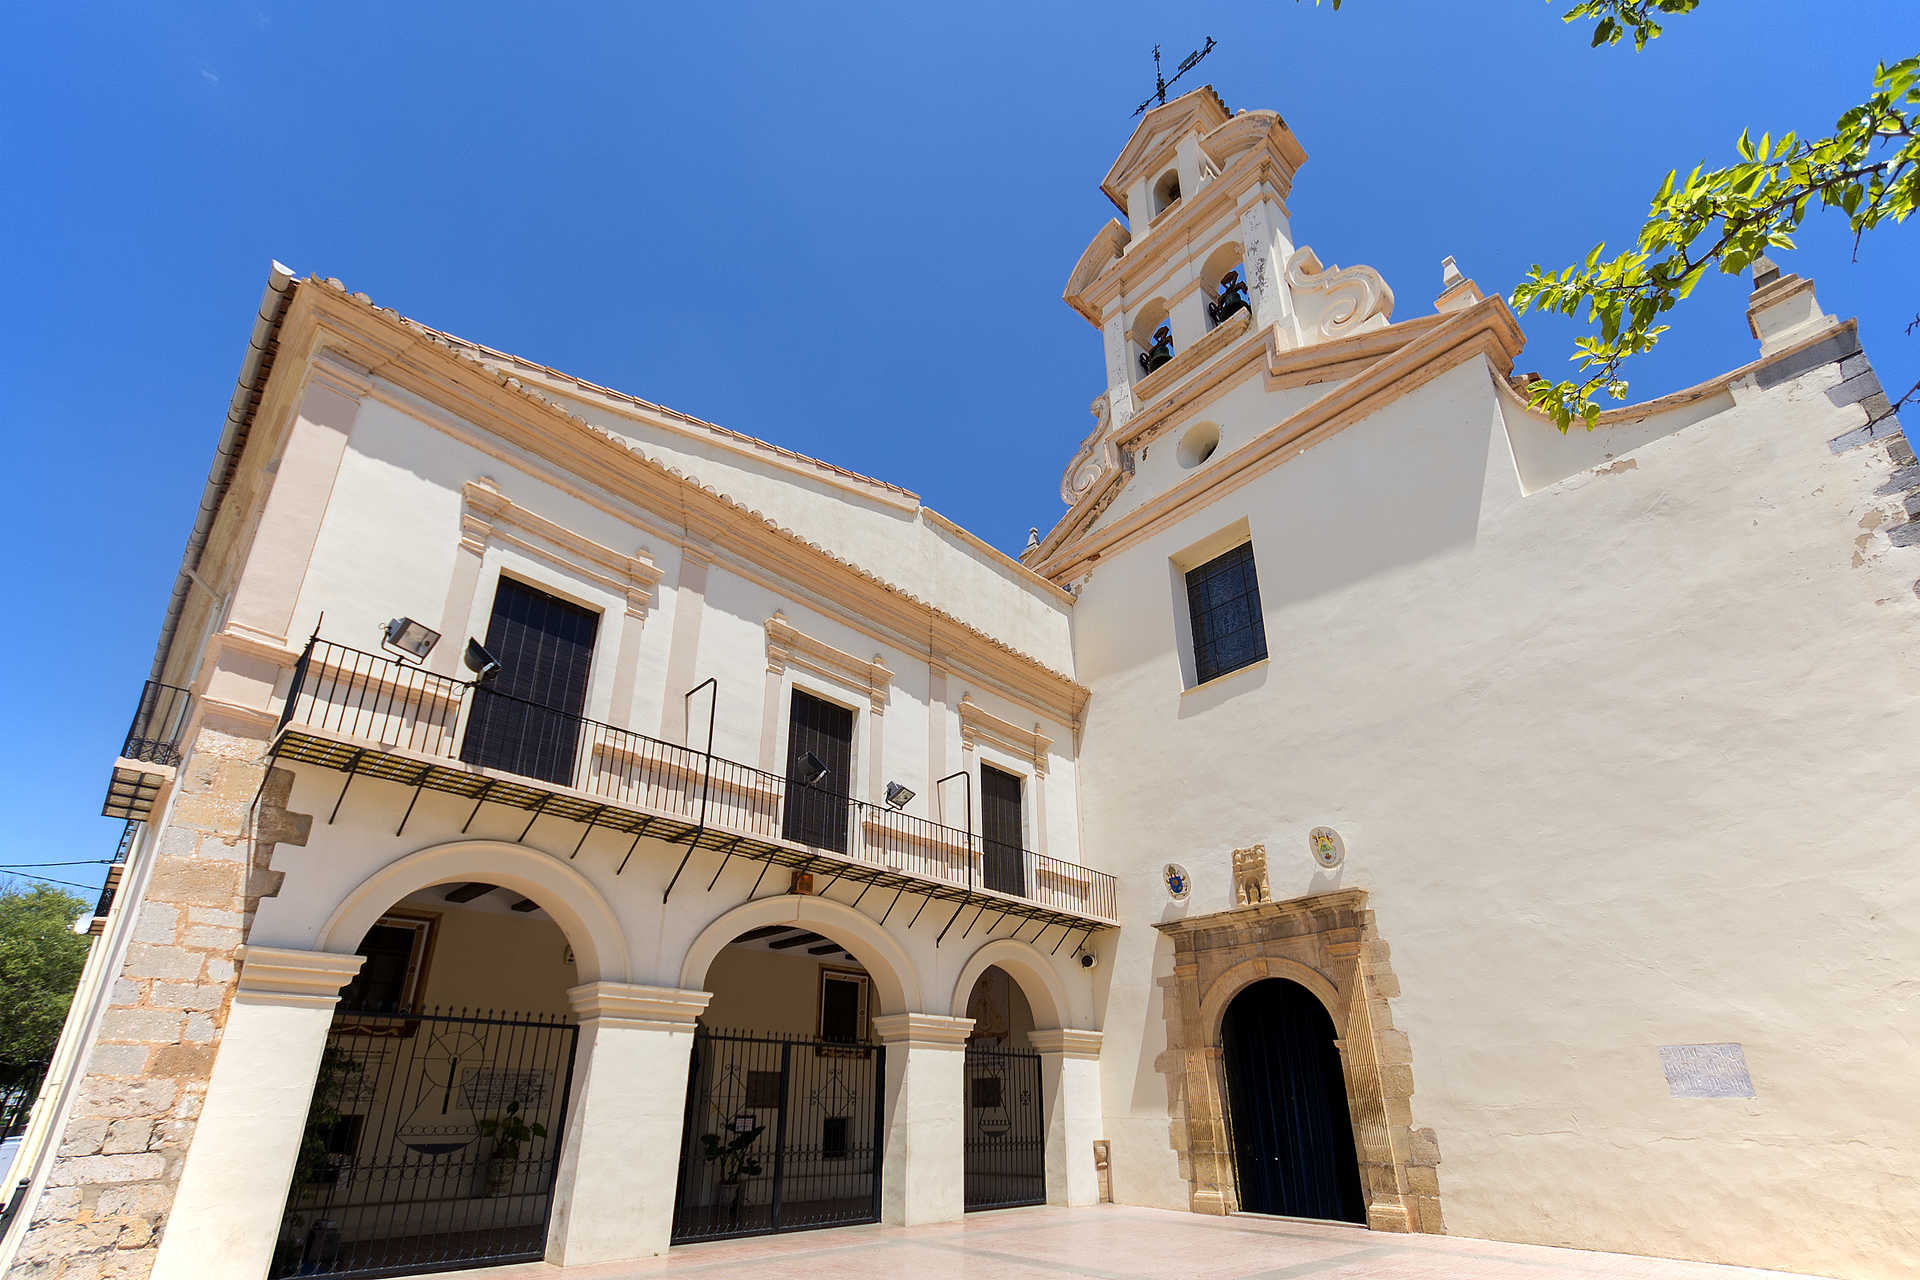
x,y
1223,602
405,1165
833,1138
780,1180
527,721
1006,1133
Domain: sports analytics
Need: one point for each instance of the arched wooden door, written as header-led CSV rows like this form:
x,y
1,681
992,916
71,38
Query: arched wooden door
x,y
1287,1106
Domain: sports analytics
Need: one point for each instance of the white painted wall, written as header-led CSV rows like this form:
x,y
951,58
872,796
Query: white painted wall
x,y
1623,762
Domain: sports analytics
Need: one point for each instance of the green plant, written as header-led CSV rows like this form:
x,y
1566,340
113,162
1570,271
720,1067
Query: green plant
x,y
315,1166
733,1157
510,1132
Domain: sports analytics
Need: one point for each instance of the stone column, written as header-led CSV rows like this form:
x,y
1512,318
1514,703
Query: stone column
x,y
613,1192
233,1187
923,1177
1070,1095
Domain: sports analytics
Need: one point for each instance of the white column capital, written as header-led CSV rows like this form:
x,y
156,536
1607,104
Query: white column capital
x,y
626,1004
294,978
1066,1041
923,1030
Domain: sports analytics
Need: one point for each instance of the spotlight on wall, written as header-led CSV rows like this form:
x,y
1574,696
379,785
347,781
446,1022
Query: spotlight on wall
x,y
408,638
810,769
485,667
898,797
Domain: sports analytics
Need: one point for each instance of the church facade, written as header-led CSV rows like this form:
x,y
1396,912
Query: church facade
x,y
558,827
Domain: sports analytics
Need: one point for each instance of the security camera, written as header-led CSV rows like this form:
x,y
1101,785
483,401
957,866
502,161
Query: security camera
x,y
1088,960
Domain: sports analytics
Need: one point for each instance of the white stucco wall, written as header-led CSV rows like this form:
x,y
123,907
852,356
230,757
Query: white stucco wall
x,y
1621,763
389,544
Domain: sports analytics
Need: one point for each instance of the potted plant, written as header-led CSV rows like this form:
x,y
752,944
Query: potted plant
x,y
510,1132
733,1161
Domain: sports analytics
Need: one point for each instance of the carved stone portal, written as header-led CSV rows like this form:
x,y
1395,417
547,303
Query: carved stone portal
x,y
1328,944
1250,876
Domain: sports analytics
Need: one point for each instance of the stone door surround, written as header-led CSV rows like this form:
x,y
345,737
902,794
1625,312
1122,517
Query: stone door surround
x,y
1327,943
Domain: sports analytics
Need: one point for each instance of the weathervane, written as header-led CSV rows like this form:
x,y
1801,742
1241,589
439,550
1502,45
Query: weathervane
x,y
1187,64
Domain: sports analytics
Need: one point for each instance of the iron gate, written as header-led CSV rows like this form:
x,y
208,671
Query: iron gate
x,y
1006,1145
430,1144
781,1134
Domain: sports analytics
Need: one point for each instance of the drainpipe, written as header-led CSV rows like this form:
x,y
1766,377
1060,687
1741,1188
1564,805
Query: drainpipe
x,y
274,301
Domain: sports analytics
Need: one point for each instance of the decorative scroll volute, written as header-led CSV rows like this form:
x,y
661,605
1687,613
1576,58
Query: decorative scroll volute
x,y
1336,302
1097,457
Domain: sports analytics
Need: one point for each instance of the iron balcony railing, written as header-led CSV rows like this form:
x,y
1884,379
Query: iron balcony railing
x,y
387,705
154,735
151,749
116,869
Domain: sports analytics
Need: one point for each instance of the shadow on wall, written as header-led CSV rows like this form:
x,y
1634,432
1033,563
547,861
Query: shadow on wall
x,y
1408,484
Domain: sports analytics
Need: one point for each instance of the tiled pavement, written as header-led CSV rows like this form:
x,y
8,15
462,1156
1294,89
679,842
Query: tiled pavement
x,y
1113,1242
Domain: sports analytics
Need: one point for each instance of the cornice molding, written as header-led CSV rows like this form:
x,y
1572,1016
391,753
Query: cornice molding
x,y
1439,343
978,725
292,978
922,1030
1065,1041
486,515
626,1004
787,645
474,403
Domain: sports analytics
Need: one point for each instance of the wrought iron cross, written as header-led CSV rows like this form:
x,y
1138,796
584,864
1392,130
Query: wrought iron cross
x,y
1187,64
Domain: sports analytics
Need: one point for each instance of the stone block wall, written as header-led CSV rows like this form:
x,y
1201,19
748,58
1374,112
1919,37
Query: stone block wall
x,y
118,1159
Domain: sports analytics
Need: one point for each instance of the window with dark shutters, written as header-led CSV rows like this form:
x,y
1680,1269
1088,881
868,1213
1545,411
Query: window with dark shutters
x,y
817,812
1003,831
1223,602
527,720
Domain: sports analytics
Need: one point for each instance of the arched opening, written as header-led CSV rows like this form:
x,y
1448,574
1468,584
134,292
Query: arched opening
x,y
433,1137
1287,1116
1225,277
784,1123
1152,336
1005,1137
1166,192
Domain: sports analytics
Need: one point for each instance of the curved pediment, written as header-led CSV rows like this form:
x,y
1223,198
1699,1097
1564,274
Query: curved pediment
x,y
1105,248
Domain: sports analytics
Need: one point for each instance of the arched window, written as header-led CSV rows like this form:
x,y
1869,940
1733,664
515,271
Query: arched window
x,y
1152,336
1225,279
1166,192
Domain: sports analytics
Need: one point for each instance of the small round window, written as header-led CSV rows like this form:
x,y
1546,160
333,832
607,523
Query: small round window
x,y
1198,444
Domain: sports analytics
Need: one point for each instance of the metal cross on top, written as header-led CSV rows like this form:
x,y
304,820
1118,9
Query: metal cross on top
x,y
1187,64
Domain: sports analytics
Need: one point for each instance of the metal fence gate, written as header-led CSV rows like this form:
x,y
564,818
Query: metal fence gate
x,y
781,1134
430,1144
1006,1142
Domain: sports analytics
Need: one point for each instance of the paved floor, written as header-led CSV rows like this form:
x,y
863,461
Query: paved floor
x,y
1117,1243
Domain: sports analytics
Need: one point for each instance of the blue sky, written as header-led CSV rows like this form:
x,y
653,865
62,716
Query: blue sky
x,y
844,230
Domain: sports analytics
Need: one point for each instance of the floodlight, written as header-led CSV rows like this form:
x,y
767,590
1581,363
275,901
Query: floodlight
x,y
898,797
409,638
485,667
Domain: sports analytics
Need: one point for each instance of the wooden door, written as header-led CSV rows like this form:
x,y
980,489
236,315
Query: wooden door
x,y
816,813
527,720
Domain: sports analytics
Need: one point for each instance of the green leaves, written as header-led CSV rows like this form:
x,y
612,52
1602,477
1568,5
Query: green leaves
x,y
1619,18
40,961
1723,220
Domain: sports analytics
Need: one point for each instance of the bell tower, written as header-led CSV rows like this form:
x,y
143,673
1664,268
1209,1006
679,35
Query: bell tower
x,y
1205,261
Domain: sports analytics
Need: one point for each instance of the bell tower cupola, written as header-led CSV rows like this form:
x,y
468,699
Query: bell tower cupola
x,y
1205,260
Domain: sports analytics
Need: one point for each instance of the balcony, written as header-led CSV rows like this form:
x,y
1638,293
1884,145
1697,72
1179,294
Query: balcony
x,y
150,753
116,871
374,716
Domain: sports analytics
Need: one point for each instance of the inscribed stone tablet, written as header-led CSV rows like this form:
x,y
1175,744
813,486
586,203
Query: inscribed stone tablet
x,y
1706,1071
